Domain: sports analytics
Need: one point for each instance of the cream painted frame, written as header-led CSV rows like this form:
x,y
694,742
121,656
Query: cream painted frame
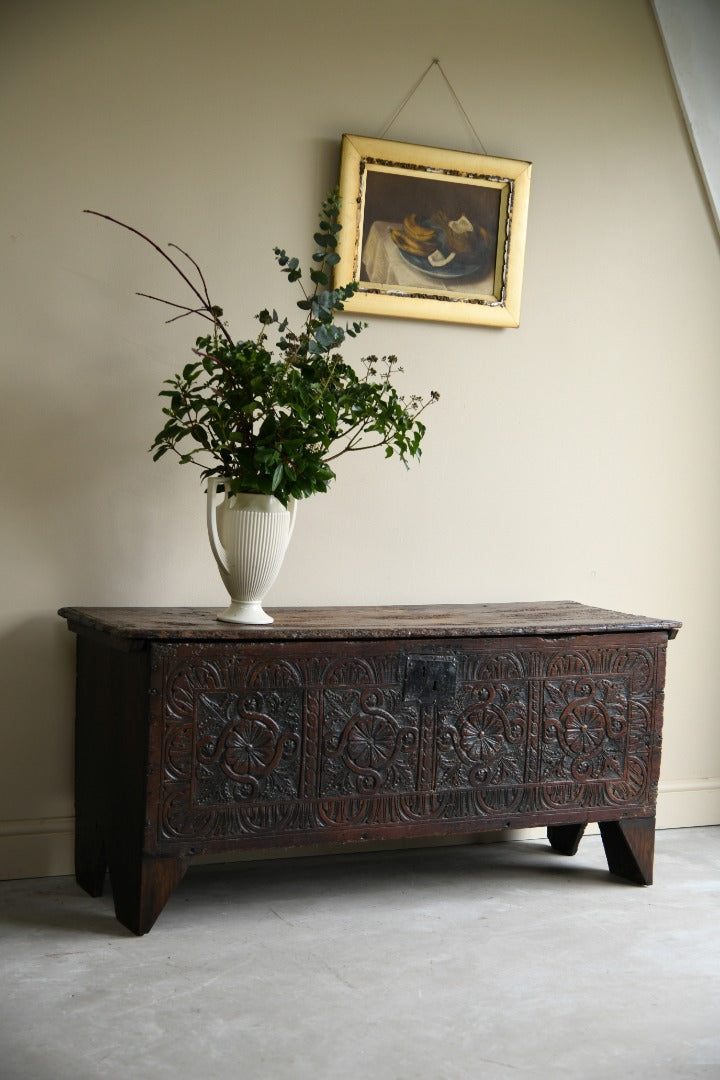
x,y
362,157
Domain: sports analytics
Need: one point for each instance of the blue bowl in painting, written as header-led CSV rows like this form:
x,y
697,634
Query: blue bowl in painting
x,y
444,248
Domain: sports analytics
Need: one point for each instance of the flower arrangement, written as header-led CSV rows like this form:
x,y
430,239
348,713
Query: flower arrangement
x,y
271,417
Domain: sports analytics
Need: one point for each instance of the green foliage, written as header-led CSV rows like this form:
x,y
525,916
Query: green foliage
x,y
271,419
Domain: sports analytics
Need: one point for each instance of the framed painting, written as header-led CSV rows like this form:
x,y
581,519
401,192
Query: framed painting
x,y
430,233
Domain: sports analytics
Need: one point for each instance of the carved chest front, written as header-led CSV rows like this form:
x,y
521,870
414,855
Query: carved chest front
x,y
358,725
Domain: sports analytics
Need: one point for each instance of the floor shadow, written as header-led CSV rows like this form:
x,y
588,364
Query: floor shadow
x,y
58,904
488,867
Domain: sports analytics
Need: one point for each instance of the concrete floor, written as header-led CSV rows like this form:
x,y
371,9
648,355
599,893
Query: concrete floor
x,y
488,961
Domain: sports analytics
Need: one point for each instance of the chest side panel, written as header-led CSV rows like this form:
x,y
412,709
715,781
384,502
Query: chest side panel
x,y
317,741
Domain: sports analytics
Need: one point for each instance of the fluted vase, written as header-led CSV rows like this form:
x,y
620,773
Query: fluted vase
x,y
249,535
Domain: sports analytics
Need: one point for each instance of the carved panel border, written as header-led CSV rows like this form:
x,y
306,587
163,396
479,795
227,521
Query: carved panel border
x,y
262,740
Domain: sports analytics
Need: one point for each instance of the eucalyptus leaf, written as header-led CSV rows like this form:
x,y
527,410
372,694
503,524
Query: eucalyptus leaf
x,y
273,416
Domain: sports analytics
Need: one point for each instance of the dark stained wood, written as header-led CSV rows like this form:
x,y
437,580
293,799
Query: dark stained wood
x,y
358,724
142,887
90,751
111,751
630,848
565,838
362,623
90,859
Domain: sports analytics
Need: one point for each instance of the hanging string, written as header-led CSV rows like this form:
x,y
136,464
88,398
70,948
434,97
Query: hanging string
x,y
433,63
405,100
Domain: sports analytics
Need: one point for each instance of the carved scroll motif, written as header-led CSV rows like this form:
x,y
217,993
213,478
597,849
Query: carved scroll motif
x,y
485,742
596,726
247,746
585,724
259,744
370,743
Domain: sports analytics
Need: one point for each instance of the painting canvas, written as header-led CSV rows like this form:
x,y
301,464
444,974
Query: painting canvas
x,y
430,233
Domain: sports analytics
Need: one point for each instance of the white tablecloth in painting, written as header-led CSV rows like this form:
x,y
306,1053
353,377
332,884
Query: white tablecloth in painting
x,y
383,264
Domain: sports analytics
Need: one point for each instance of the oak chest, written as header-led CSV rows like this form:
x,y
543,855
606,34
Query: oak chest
x,y
355,725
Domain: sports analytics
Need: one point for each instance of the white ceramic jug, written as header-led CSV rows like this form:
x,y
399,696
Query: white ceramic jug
x,y
249,535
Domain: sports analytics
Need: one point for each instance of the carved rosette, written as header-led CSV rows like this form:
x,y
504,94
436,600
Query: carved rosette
x,y
230,736
243,751
596,728
259,744
585,725
485,742
370,743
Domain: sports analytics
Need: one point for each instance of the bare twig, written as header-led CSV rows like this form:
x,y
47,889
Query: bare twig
x,y
185,310
200,273
204,300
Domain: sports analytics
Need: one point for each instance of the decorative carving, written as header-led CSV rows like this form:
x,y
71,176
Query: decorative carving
x,y
485,742
180,819
243,749
274,674
178,752
248,748
500,666
585,724
350,672
184,683
571,663
367,747
258,744
347,725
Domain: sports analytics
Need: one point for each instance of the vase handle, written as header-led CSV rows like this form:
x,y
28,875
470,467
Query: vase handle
x,y
292,507
215,543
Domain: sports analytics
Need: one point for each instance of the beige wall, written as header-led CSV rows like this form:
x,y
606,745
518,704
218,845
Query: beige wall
x,y
574,458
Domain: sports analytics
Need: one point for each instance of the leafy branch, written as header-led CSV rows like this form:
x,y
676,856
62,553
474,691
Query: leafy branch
x,y
269,419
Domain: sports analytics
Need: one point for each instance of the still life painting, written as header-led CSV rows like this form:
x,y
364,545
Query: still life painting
x,y
432,234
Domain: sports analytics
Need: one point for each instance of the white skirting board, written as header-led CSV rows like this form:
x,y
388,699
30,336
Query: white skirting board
x,y
44,847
